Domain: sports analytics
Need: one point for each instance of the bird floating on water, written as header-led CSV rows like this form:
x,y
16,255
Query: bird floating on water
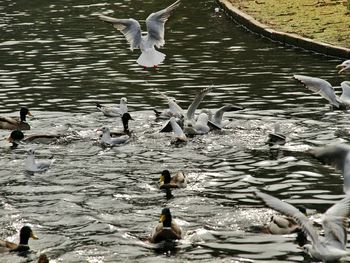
x,y
24,235
15,123
167,229
131,29
325,89
114,111
276,138
177,181
32,165
332,246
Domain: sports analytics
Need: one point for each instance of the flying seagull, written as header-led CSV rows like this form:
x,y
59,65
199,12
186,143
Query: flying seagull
x,y
131,29
325,89
332,246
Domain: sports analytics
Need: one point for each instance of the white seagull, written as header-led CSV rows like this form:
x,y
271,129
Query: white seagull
x,y
216,117
107,140
131,29
338,156
114,111
32,165
332,246
344,66
325,89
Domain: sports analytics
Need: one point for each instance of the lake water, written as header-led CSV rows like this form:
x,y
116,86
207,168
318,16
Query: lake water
x,y
99,205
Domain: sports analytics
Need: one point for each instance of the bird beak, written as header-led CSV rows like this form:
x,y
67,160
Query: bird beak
x,y
30,114
161,179
162,218
9,139
341,67
33,236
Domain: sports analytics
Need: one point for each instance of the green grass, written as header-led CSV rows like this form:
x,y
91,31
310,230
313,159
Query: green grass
x,y
322,20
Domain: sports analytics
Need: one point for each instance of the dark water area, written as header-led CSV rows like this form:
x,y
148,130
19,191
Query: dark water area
x,y
99,205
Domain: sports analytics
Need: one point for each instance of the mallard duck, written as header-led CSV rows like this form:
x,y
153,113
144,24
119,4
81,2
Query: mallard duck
x,y
17,136
24,234
32,165
15,123
179,180
276,138
167,229
114,111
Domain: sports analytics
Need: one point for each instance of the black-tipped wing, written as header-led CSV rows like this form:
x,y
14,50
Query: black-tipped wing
x,y
291,211
129,27
155,24
320,86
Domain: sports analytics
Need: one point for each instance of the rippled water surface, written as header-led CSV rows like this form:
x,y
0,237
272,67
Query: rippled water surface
x,y
99,205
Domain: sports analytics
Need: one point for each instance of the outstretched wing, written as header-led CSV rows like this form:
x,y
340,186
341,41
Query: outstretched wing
x,y
220,112
336,155
320,86
129,27
334,223
194,105
291,211
155,24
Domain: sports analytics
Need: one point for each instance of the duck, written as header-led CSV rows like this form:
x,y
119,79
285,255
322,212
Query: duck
x,y
32,165
114,111
15,123
179,180
276,138
332,246
131,29
325,89
17,136
167,229
24,235
125,120
344,66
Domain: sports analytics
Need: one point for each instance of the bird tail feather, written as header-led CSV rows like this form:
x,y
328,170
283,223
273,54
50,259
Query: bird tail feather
x,y
150,58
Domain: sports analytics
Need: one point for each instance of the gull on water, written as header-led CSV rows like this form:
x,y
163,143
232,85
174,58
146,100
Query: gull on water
x,y
131,29
325,89
32,165
186,118
216,118
107,140
338,156
344,66
332,246
114,111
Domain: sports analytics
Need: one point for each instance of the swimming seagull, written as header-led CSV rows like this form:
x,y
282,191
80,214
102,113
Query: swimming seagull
x,y
325,89
131,29
32,165
337,155
186,116
114,111
344,66
332,246
200,127
107,140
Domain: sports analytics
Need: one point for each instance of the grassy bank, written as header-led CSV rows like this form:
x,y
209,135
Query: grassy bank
x,y
322,20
